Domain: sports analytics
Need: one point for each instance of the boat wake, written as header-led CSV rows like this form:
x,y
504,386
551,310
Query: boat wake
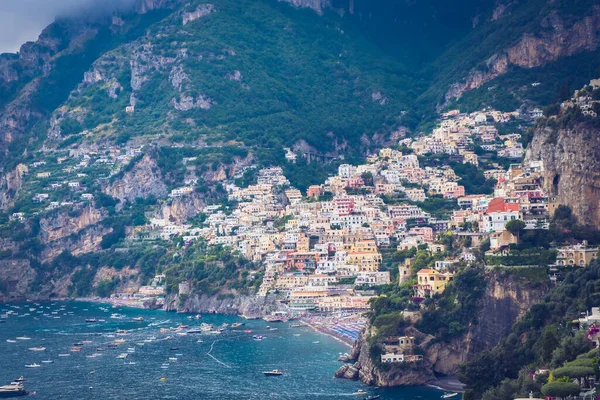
x,y
215,358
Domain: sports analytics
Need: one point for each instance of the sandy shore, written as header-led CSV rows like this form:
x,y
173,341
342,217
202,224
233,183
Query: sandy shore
x,y
325,332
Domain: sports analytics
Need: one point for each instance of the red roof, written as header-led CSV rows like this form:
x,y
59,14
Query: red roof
x,y
499,205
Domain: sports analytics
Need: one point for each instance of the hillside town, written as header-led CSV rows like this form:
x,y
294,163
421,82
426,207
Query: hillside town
x,y
323,250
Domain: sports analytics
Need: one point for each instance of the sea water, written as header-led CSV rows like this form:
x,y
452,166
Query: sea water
x,y
235,370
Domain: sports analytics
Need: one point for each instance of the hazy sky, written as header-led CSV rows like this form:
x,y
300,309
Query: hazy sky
x,y
24,20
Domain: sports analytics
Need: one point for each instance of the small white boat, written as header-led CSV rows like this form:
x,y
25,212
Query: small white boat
x,y
172,358
34,365
64,355
123,355
448,395
130,363
11,341
47,362
359,392
37,348
23,338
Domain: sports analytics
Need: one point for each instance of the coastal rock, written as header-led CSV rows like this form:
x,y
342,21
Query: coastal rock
x,y
347,371
15,277
224,303
346,358
506,300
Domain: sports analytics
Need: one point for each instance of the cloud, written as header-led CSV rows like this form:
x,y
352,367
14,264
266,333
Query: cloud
x,y
24,20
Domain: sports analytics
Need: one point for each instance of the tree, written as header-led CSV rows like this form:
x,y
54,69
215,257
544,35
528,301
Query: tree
x,y
561,389
516,227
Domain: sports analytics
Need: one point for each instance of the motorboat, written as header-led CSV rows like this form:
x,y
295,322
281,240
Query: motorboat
x,y
37,348
359,392
275,372
33,365
138,319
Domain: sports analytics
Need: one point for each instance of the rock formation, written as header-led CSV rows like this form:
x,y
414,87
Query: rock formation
x,y
571,157
556,40
142,180
506,301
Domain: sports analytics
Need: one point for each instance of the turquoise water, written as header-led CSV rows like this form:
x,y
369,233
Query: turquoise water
x,y
307,358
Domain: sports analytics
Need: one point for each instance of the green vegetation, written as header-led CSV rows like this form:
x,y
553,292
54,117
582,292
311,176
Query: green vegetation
x,y
210,270
542,337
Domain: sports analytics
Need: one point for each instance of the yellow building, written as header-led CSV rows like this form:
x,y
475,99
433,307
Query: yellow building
x,y
580,255
291,281
430,282
365,261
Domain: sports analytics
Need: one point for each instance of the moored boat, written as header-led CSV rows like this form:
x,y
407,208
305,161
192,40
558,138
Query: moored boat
x,y
14,389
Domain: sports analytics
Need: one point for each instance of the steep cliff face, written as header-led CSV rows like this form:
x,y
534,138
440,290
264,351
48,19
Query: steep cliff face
x,y
76,230
556,39
571,159
15,277
142,180
181,209
10,184
65,223
506,301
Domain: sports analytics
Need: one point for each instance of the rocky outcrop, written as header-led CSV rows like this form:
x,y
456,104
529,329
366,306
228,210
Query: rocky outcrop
x,y
384,376
10,184
224,303
15,278
201,11
142,180
180,209
85,241
63,223
186,103
555,40
317,5
571,158
506,301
